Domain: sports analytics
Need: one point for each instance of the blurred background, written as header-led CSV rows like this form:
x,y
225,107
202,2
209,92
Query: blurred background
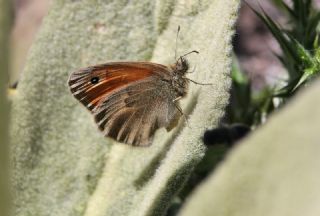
x,y
28,15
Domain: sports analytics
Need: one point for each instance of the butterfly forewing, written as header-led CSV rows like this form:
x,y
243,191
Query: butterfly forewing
x,y
90,85
129,100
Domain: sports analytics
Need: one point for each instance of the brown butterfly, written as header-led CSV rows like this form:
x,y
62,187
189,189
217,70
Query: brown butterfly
x,y
131,100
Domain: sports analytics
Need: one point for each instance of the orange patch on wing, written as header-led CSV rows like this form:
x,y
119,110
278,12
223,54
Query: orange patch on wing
x,y
112,78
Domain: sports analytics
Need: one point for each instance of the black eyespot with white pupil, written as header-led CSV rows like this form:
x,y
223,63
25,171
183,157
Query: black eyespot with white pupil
x,y
94,80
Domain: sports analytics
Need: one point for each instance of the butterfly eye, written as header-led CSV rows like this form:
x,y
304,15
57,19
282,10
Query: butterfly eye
x,y
94,80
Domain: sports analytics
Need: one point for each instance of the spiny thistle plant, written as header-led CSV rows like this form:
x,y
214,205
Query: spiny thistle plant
x,y
299,43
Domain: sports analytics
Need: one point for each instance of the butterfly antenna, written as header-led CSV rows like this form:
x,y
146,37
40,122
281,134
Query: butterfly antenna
x,y
193,51
175,52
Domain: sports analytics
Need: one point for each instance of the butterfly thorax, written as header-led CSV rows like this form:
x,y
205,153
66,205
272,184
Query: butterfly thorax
x,y
179,81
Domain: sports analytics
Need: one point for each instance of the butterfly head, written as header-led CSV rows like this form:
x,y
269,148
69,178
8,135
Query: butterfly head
x,y
181,66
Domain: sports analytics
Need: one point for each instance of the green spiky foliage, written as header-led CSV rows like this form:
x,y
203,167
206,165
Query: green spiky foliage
x,y
299,43
247,106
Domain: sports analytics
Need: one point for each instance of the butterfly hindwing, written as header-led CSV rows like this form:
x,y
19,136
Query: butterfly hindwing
x,y
131,115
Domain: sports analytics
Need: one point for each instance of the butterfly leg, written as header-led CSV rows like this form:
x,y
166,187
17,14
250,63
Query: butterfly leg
x,y
193,70
180,110
197,82
176,99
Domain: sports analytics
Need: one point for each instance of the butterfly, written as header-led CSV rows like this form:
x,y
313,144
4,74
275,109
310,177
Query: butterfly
x,y
131,100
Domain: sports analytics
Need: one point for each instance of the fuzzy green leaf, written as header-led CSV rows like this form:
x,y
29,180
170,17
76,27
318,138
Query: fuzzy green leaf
x,y
62,163
273,172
